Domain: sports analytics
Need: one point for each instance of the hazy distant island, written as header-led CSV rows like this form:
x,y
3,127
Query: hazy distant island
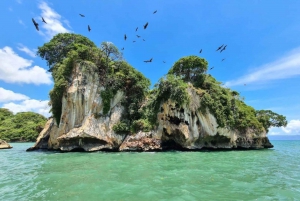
x,y
100,102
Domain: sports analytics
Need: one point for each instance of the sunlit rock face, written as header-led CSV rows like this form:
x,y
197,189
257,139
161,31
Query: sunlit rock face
x,y
4,145
84,127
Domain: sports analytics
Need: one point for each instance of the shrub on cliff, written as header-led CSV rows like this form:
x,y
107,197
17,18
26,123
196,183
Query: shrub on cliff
x,y
23,126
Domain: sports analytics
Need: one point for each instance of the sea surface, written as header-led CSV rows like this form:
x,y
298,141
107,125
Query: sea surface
x,y
272,174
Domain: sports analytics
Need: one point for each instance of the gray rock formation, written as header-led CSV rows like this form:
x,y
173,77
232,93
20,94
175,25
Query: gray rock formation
x,y
4,145
83,126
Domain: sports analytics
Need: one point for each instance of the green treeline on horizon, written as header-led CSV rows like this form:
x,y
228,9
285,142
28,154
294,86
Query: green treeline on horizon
x,y
21,127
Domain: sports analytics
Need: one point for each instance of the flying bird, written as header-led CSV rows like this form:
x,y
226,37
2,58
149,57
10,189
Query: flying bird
x,y
145,26
138,36
148,60
133,41
223,48
136,28
44,20
125,37
220,47
164,62
35,24
211,68
81,15
89,28
155,12
200,51
122,48
223,59
144,40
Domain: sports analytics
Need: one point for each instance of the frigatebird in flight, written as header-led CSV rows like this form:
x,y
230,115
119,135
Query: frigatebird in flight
x,y
148,60
144,40
223,48
211,68
89,28
223,59
35,24
155,12
125,37
200,51
44,20
220,47
145,26
164,62
81,15
134,41
136,28
122,48
138,36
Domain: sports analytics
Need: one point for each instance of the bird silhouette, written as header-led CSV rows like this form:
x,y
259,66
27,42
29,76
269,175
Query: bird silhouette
x,y
136,28
134,41
81,15
138,36
155,12
200,51
148,60
223,48
220,47
144,40
44,20
125,37
145,26
35,24
223,59
164,62
122,48
89,28
211,68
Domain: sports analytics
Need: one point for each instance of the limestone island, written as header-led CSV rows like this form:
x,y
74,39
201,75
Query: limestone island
x,y
100,102
4,145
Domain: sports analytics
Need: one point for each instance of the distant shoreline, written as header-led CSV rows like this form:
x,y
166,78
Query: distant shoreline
x,y
284,137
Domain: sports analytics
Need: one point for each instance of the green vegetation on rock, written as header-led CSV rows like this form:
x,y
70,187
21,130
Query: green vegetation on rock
x,y
187,76
23,126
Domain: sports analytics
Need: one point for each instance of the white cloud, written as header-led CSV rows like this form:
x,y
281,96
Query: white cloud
x,y
293,127
54,25
15,69
285,67
26,50
7,95
21,22
37,106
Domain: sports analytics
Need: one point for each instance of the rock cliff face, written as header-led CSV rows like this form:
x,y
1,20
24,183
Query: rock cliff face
x,y
4,145
84,127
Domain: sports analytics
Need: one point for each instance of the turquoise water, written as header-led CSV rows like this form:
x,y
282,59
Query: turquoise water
x,y
233,175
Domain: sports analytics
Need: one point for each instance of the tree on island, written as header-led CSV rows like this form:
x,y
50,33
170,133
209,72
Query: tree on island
x,y
23,126
141,105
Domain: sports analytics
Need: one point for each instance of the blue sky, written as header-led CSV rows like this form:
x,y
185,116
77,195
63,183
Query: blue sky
x,y
262,38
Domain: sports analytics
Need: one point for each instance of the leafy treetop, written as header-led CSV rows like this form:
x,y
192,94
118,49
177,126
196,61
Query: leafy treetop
x,y
23,126
60,45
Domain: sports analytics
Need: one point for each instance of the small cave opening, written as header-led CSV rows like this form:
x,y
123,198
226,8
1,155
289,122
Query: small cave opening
x,y
78,149
170,144
174,120
186,122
